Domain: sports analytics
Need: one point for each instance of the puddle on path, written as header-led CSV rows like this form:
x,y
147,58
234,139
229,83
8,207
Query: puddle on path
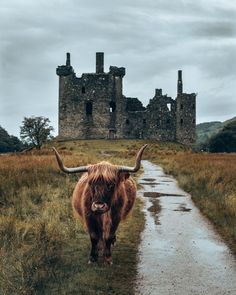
x,y
180,253
183,208
155,208
147,183
158,195
151,194
149,179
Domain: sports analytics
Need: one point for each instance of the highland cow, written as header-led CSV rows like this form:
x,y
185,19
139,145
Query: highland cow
x,y
103,196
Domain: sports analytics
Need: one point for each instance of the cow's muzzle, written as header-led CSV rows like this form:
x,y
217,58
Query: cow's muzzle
x,y
99,207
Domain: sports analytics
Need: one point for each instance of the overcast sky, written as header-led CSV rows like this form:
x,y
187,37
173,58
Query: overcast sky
x,y
152,39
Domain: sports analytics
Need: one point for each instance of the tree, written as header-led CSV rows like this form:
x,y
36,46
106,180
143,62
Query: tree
x,y
225,140
9,143
36,131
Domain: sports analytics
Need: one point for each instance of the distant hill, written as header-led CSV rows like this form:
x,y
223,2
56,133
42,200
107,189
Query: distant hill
x,y
206,130
9,143
225,140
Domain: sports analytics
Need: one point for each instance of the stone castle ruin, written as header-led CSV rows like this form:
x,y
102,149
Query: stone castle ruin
x,y
93,107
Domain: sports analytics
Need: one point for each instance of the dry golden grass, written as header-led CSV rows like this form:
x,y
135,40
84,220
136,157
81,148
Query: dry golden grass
x,y
43,249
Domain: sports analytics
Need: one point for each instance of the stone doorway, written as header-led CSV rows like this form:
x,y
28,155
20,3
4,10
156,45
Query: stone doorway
x,y
112,134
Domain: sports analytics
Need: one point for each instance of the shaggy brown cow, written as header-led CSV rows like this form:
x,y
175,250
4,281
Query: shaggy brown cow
x,y
103,196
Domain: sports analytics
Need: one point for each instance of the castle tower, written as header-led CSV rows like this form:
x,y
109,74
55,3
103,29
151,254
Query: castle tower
x,y
91,105
185,114
117,118
66,75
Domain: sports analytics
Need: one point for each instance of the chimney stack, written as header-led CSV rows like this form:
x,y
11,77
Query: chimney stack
x,y
68,59
179,83
158,92
99,62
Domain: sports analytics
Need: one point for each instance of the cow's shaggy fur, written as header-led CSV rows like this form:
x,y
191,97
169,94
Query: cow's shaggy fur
x,y
103,183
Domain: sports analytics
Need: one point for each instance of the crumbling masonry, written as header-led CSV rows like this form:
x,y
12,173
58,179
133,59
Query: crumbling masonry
x,y
94,107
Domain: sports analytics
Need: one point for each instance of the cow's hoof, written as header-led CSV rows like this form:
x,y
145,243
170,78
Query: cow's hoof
x,y
113,241
92,260
108,261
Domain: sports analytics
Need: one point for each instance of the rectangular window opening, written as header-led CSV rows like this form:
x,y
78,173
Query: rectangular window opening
x,y
89,108
112,107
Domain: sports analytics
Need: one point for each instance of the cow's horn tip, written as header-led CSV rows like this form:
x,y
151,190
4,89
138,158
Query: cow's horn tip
x,y
54,149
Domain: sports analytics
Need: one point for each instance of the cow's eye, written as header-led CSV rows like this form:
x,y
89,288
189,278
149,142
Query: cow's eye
x,y
110,186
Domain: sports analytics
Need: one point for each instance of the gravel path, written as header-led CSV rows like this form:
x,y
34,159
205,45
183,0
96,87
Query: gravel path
x,y
180,252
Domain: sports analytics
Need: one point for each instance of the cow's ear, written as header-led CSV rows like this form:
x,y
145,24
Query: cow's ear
x,y
123,176
126,175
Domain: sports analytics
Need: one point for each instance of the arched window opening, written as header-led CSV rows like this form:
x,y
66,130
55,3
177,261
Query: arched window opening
x,y
194,121
112,107
193,106
169,106
181,106
89,108
144,122
83,89
127,122
181,122
168,123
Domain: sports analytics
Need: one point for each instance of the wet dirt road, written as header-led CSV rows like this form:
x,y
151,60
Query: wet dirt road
x,y
180,252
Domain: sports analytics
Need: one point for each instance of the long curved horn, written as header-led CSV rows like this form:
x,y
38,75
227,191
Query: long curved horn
x,y
137,164
68,170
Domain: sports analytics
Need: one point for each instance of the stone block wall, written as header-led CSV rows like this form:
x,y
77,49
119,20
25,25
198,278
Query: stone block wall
x,y
186,118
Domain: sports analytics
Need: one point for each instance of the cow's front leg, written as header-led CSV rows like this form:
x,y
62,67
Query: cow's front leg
x,y
109,241
94,249
95,236
107,249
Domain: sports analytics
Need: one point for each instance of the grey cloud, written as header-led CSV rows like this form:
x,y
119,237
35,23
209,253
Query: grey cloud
x,y
216,29
218,107
152,39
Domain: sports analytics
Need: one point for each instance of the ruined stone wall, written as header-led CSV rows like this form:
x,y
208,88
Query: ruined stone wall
x,y
94,107
135,118
161,117
135,124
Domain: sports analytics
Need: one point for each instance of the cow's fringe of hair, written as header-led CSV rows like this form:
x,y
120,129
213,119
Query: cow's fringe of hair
x,y
102,172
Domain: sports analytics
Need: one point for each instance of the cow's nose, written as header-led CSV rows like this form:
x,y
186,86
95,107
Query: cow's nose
x,y
99,205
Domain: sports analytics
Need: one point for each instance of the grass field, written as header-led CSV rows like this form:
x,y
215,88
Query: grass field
x,y
44,250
